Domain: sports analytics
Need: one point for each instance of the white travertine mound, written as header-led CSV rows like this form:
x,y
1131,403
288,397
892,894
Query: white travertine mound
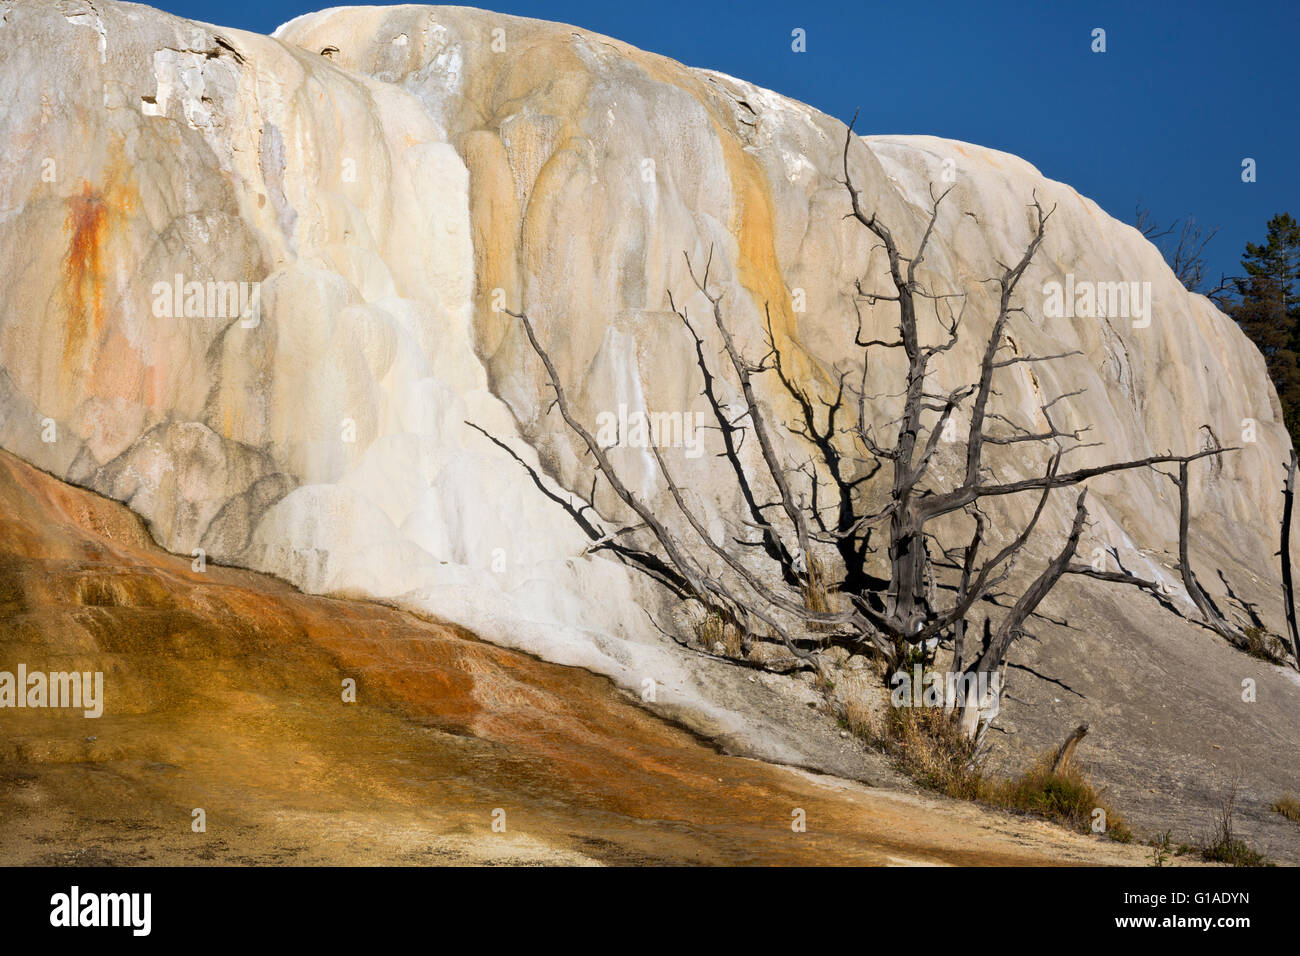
x,y
392,177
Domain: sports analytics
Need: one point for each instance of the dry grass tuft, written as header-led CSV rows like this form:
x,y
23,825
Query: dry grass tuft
x,y
1289,807
818,593
1065,796
857,712
1263,645
716,628
929,746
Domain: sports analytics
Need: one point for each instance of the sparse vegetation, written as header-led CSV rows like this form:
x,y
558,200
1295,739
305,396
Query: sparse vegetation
x,y
1065,795
1223,845
928,745
718,633
1161,847
856,714
817,596
1233,852
1260,643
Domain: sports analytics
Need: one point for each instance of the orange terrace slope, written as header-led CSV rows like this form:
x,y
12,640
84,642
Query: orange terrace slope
x,y
223,693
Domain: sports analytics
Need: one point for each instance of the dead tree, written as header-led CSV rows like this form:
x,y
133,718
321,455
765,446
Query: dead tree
x,y
803,519
1065,753
1186,256
1284,552
1210,612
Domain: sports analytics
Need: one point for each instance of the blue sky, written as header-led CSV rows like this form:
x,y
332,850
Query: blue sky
x,y
1184,92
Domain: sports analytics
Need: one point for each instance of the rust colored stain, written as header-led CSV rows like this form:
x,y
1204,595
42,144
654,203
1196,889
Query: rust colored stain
x,y
233,681
83,269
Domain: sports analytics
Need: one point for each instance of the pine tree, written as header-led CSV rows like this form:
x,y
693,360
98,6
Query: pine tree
x,y
1268,310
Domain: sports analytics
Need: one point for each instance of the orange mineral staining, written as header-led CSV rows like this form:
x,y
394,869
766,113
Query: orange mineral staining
x,y
83,269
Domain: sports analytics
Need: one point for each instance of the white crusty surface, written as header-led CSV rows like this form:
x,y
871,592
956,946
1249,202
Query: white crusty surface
x,y
390,174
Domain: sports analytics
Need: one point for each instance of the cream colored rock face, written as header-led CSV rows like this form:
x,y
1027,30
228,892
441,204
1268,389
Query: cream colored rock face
x,y
384,199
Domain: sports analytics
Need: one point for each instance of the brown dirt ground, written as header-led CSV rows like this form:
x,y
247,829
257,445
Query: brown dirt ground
x,y
223,692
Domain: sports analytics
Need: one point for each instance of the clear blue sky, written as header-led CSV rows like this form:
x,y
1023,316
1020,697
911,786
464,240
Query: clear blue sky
x,y
1184,91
